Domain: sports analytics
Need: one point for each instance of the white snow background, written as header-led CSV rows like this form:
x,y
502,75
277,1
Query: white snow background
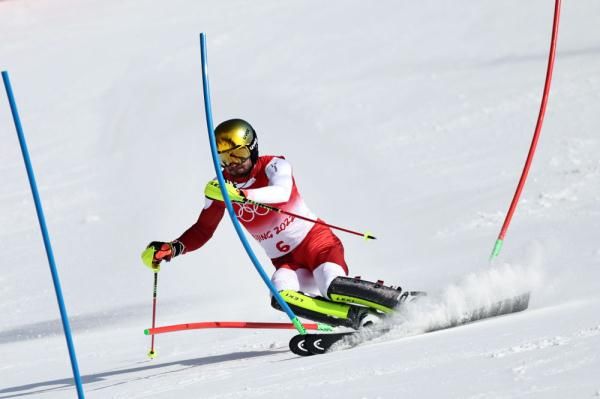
x,y
408,119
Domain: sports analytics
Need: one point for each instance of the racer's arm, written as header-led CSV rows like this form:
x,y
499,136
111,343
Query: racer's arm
x,y
201,231
279,173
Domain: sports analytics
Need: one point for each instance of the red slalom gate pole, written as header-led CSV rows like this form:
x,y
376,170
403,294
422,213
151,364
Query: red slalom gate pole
x,y
232,324
536,135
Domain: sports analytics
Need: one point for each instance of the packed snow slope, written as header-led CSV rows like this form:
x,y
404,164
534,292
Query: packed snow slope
x,y
408,119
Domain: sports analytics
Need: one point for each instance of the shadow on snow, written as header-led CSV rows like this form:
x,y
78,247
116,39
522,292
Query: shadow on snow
x,y
68,383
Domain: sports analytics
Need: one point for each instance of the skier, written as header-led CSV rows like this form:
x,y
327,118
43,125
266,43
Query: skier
x,y
310,269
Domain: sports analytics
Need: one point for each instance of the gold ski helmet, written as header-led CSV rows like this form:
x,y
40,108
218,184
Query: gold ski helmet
x,y
236,142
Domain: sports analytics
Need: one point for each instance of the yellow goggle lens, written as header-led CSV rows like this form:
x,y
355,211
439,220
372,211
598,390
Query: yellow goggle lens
x,y
235,156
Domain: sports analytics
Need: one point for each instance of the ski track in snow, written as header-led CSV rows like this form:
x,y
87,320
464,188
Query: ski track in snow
x,y
544,343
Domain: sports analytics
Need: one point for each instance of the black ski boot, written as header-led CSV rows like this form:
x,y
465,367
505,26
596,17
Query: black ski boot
x,y
373,295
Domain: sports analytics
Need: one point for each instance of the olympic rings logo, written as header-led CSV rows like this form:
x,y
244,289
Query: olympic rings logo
x,y
247,212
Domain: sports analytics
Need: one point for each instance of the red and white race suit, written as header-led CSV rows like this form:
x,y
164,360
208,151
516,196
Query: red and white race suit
x,y
290,242
307,256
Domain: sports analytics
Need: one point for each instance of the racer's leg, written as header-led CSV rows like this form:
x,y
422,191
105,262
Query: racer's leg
x,y
290,283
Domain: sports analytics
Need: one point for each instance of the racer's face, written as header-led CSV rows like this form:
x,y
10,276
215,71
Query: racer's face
x,y
240,170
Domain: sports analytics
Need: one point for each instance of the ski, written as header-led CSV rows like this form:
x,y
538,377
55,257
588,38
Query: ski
x,y
319,343
298,344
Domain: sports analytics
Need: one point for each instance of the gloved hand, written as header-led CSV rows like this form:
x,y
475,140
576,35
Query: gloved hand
x,y
157,251
213,192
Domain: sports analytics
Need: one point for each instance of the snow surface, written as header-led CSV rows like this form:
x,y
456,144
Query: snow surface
x,y
418,115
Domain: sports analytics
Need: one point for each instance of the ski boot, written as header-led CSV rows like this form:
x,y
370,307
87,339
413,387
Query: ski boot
x,y
372,295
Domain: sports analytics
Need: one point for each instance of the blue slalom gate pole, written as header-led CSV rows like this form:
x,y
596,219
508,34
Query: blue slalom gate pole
x,y
42,221
236,223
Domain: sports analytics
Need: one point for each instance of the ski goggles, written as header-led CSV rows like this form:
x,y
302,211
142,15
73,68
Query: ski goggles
x,y
234,156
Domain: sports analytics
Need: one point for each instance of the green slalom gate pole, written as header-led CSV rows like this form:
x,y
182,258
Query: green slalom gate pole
x,y
236,224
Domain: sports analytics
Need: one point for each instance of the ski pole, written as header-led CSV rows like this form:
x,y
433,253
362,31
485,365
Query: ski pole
x,y
152,353
367,235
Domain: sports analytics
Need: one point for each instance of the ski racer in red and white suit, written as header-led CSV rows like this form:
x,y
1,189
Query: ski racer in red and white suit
x,y
307,256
